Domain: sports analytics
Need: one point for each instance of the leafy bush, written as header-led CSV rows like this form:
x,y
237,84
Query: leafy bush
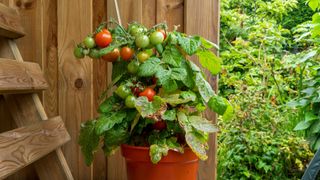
x,y
253,154
260,78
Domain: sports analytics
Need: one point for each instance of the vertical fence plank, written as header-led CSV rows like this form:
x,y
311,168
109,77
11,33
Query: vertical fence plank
x,y
75,78
203,19
99,85
171,11
49,49
148,12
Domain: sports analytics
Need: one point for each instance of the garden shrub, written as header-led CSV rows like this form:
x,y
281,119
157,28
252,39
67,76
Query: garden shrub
x,y
260,48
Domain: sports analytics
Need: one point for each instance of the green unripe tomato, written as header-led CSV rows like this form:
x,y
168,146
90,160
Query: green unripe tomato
x,y
130,101
150,52
78,52
94,53
89,42
133,66
142,56
135,30
122,91
142,41
156,38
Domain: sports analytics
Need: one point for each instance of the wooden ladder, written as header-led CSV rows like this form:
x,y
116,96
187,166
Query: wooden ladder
x,y
37,139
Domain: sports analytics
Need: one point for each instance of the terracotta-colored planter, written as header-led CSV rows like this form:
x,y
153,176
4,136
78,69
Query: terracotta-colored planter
x,y
174,166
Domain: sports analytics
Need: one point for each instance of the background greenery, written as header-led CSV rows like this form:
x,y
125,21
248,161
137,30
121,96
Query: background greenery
x,y
270,74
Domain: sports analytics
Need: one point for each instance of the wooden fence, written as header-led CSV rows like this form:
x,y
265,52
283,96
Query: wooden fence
x,y
54,26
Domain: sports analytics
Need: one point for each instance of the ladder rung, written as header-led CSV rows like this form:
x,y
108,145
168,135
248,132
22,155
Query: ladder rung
x,y
22,146
10,24
20,77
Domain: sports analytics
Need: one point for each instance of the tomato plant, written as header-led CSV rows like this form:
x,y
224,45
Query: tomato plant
x,y
126,53
158,94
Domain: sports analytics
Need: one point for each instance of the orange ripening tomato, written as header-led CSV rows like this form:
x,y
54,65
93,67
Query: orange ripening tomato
x,y
112,56
126,53
149,93
103,38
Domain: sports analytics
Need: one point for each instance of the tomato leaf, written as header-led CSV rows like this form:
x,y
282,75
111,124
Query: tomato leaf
x,y
180,98
114,137
189,44
107,122
157,151
188,78
146,108
149,67
165,79
178,74
209,61
88,140
196,144
161,148
217,104
204,87
208,44
170,115
202,124
172,56
229,113
108,105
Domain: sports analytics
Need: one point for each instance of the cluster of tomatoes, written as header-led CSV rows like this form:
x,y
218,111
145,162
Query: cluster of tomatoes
x,y
145,45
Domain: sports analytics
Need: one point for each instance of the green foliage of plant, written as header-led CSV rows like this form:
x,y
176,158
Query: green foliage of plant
x,y
160,104
264,66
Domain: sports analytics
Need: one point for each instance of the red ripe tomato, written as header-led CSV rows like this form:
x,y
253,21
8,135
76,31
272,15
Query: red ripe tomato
x,y
103,38
149,93
106,31
163,32
126,53
159,125
112,56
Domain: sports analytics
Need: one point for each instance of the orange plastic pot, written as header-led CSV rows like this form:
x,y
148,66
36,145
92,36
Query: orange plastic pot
x,y
174,166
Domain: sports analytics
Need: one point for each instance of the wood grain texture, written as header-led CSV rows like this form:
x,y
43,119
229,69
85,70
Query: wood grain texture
x,y
20,77
49,52
25,113
148,12
58,166
203,19
100,71
10,23
75,78
22,146
171,11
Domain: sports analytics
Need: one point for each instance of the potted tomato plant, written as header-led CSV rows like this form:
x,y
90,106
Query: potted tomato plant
x,y
154,112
